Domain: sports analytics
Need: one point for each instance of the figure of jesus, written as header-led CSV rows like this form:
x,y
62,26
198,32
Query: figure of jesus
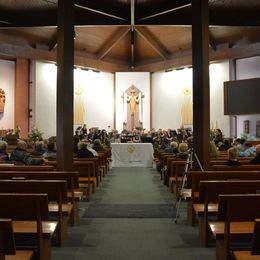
x,y
133,100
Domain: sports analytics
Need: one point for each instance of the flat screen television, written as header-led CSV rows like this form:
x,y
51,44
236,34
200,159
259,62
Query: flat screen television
x,y
242,97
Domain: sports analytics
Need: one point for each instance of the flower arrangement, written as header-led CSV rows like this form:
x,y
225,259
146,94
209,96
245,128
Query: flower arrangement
x,y
17,130
10,131
212,134
35,135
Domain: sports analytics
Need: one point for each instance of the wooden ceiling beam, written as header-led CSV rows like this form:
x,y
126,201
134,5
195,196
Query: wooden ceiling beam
x,y
118,11
153,42
53,42
88,18
182,17
166,6
212,41
184,58
82,58
132,34
112,42
132,48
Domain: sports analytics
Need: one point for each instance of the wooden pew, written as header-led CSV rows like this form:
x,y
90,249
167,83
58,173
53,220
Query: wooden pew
x,y
71,178
175,175
88,172
246,167
7,243
208,196
254,253
57,194
236,215
10,167
29,213
194,178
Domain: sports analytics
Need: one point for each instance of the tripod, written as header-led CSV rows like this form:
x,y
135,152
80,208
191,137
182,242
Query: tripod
x,y
188,165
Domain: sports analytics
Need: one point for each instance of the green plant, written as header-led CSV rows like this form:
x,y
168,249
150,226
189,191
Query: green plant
x,y
212,134
35,135
17,130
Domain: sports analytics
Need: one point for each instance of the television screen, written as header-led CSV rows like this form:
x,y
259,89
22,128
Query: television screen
x,y
242,97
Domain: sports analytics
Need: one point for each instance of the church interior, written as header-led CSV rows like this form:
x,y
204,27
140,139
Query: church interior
x,y
129,129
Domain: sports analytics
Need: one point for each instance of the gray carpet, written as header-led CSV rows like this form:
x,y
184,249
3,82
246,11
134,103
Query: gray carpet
x,y
130,211
131,218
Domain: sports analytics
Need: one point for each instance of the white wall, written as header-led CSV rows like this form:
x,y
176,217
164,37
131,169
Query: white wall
x,y
7,83
167,97
246,69
124,80
45,98
97,97
219,72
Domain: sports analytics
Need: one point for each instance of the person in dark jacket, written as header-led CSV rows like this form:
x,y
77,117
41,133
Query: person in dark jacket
x,y
233,154
20,154
51,150
97,146
225,146
256,160
39,148
83,151
4,157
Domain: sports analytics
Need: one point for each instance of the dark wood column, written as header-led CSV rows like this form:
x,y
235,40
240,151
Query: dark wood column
x,y
65,64
21,102
200,62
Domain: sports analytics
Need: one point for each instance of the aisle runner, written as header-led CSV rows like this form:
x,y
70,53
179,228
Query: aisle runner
x,y
130,211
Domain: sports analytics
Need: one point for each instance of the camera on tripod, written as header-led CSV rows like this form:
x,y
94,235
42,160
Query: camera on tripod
x,y
190,143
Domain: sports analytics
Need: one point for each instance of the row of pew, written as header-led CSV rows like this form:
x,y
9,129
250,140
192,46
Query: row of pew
x,y
38,203
224,202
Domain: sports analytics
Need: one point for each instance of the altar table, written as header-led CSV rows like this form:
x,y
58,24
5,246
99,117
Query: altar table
x,y
132,154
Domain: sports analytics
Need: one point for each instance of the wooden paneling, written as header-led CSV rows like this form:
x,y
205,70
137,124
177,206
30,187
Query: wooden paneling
x,y
21,114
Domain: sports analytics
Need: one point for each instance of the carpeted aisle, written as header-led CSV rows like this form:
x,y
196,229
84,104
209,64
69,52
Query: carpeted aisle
x,y
131,217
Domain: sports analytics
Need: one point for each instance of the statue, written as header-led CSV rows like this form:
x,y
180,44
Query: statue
x,y
2,100
132,108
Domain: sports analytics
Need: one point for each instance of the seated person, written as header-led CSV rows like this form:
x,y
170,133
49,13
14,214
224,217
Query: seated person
x,y
97,146
219,136
4,157
233,154
239,143
83,151
39,148
51,150
213,150
256,160
173,148
225,146
249,150
183,151
20,155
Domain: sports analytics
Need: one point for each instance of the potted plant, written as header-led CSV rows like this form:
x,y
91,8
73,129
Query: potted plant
x,y
35,135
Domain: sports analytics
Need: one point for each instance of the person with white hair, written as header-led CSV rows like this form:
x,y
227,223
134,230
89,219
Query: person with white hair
x,y
183,151
173,148
3,154
256,160
20,155
233,154
83,150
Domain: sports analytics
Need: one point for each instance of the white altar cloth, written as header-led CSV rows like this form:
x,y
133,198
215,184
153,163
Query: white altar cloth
x,y
132,155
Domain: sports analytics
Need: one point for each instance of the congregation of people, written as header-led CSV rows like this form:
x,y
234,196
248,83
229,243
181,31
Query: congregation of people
x,y
87,144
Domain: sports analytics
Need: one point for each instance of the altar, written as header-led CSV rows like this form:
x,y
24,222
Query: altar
x,y
132,154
